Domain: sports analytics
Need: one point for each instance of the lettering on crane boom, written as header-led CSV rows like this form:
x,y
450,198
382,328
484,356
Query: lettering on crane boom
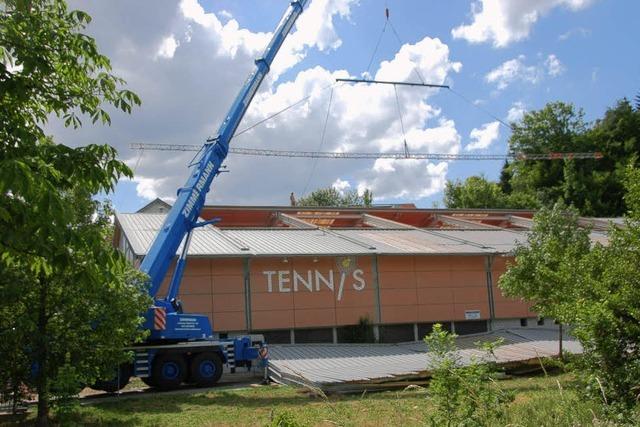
x,y
197,189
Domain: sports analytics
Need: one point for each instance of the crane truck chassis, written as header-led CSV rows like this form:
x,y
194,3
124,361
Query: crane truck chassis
x,y
181,347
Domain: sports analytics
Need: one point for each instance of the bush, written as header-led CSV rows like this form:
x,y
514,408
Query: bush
x,y
462,395
360,333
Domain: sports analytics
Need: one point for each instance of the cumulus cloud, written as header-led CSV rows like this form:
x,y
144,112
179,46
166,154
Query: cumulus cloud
x,y
516,112
503,22
554,66
516,70
186,95
341,185
511,71
484,136
167,47
404,179
225,14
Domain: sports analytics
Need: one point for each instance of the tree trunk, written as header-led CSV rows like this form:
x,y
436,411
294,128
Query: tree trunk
x,y
42,351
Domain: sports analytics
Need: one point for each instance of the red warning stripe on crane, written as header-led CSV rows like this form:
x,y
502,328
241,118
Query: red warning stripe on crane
x,y
159,319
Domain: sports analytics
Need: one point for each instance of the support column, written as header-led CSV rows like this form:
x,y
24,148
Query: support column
x,y
247,293
488,268
376,288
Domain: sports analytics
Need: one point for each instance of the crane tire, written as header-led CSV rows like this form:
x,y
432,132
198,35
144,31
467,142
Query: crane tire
x,y
205,369
118,382
148,381
169,371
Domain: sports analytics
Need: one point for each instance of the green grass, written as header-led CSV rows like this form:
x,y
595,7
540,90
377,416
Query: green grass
x,y
539,401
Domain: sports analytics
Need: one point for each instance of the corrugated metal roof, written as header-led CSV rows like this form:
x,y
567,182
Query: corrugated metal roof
x,y
334,365
414,241
282,241
141,229
501,241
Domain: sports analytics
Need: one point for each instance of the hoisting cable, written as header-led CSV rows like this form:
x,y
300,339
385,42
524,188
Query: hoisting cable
x,y
415,66
484,110
375,50
277,113
404,136
135,168
386,82
324,132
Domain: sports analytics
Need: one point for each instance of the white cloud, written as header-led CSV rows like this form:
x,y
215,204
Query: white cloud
x,y
186,98
225,14
149,188
9,61
484,136
404,179
516,70
575,32
341,185
511,71
516,112
167,47
554,66
503,22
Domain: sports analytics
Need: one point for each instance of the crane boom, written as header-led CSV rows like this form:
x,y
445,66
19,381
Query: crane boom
x,y
183,216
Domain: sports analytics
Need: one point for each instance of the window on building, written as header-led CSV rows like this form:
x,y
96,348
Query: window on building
x,y
396,333
311,336
471,327
541,321
280,336
523,322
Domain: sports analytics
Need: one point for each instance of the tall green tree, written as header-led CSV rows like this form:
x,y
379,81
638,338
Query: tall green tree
x,y
477,192
474,192
66,298
593,186
331,197
555,128
593,287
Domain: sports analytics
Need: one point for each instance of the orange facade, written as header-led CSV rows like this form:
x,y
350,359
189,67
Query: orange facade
x,y
255,294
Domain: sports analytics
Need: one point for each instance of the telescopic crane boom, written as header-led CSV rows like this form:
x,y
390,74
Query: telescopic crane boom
x,y
181,347
191,198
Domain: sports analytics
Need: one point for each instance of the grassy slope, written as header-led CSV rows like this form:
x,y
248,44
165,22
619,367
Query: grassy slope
x,y
539,401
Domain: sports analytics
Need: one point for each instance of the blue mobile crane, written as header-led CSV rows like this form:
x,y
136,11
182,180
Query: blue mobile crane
x,y
181,347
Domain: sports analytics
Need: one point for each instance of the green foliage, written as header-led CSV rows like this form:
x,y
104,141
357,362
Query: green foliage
x,y
360,333
66,388
474,192
595,288
594,187
284,419
462,395
545,268
477,192
331,197
67,298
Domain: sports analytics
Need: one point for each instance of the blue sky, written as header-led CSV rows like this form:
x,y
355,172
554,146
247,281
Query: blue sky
x,y
578,51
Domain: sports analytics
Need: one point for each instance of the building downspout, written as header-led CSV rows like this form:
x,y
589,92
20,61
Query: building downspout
x,y
376,287
488,267
247,293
